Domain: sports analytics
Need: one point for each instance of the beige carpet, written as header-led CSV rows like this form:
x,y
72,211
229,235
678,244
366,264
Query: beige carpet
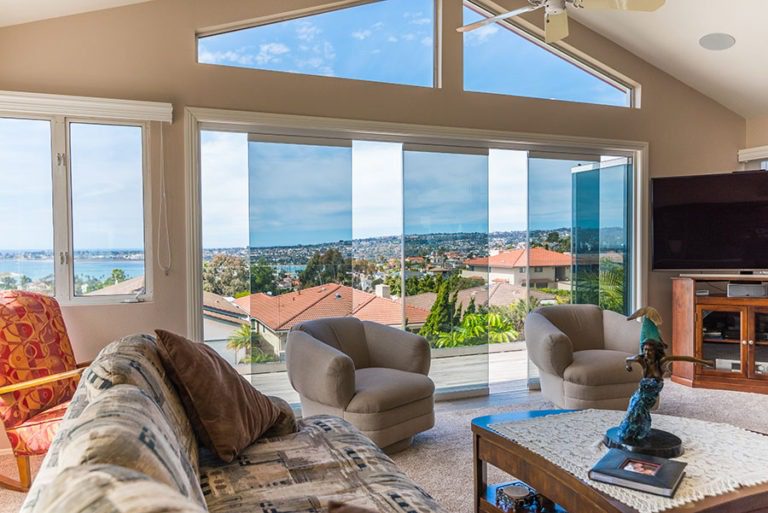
x,y
441,459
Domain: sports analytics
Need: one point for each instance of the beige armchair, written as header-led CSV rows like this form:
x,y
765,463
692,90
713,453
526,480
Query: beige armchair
x,y
372,375
580,351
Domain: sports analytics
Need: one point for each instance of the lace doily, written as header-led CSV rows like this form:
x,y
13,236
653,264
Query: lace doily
x,y
721,458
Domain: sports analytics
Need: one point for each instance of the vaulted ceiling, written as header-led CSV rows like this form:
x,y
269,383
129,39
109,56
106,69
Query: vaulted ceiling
x,y
667,38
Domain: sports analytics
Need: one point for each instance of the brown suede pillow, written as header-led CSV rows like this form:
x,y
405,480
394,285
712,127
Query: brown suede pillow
x,y
225,411
337,507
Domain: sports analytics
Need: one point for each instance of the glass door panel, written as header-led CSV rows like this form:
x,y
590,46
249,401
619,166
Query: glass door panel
x,y
300,211
508,293
446,224
722,339
601,234
759,359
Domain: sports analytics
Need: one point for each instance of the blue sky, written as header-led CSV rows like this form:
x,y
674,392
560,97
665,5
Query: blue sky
x,y
383,41
107,194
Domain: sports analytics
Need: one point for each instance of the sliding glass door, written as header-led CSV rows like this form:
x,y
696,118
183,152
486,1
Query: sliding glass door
x,y
455,243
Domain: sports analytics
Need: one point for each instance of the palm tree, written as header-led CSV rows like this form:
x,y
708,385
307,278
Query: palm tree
x,y
242,338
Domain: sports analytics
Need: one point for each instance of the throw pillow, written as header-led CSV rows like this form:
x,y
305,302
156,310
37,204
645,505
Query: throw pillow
x,y
337,507
225,411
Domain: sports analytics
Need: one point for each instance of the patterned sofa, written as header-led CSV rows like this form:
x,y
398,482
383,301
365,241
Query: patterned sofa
x,y
126,445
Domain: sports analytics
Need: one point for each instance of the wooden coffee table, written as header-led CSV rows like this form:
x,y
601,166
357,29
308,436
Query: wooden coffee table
x,y
570,493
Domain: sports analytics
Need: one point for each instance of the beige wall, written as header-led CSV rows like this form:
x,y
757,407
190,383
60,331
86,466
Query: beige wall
x,y
757,132
147,52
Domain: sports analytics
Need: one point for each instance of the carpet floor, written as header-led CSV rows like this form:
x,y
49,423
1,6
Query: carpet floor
x,y
441,459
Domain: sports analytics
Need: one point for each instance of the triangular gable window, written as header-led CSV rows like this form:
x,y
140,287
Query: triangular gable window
x,y
390,41
497,59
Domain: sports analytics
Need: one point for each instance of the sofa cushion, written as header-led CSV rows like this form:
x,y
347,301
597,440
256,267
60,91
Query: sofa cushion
x,y
327,460
378,389
134,360
600,367
113,489
124,427
226,412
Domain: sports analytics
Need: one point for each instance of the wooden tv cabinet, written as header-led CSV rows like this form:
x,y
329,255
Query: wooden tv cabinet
x,y
733,331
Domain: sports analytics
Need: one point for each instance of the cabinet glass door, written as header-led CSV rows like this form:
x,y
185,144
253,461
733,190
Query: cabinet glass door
x,y
721,332
759,345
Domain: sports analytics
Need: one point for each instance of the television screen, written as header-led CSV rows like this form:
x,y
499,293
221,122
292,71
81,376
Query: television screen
x,y
710,222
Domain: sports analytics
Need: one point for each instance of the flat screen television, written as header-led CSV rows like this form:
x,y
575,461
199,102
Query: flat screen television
x,y
710,222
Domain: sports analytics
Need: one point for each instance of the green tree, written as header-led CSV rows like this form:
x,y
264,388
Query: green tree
x,y
117,276
8,282
226,275
442,314
263,277
244,338
328,267
471,307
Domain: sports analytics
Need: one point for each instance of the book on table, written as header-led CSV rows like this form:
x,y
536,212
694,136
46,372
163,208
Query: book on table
x,y
650,474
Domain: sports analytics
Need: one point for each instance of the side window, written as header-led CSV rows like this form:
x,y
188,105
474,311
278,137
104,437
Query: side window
x,y
107,169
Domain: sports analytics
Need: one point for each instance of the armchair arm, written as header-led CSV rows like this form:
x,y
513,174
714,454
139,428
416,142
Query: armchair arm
x,y
396,349
548,347
32,383
318,371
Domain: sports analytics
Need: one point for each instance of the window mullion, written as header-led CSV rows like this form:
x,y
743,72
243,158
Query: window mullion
x,y
61,226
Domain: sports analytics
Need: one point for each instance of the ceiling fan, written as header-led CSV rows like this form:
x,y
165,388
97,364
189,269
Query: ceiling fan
x,y
556,15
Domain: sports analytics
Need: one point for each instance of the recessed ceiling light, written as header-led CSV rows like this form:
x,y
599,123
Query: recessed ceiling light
x,y
717,41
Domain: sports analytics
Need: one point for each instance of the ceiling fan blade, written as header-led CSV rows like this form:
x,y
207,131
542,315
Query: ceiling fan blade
x,y
624,5
500,17
556,27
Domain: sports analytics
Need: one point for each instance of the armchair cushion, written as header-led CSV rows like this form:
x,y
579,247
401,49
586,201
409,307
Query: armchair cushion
x,y
582,323
378,389
343,333
396,349
621,334
600,367
35,435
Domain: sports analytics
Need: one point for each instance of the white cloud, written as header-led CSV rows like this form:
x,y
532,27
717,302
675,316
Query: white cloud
x,y
307,31
409,37
481,35
362,34
426,41
421,21
392,39
245,56
270,51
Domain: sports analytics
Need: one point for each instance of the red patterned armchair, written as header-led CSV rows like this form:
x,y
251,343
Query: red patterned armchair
x,y
38,376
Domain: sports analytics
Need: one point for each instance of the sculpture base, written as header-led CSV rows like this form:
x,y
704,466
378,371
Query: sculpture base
x,y
657,443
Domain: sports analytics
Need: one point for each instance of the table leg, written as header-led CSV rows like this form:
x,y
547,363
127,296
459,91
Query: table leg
x,y
480,472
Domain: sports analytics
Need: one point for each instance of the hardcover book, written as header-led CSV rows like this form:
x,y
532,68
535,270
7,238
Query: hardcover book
x,y
640,472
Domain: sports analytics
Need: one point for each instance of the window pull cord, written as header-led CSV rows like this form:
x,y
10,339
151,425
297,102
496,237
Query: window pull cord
x,y
163,241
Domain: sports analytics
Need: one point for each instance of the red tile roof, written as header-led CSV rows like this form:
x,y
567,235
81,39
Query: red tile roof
x,y
284,311
539,257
